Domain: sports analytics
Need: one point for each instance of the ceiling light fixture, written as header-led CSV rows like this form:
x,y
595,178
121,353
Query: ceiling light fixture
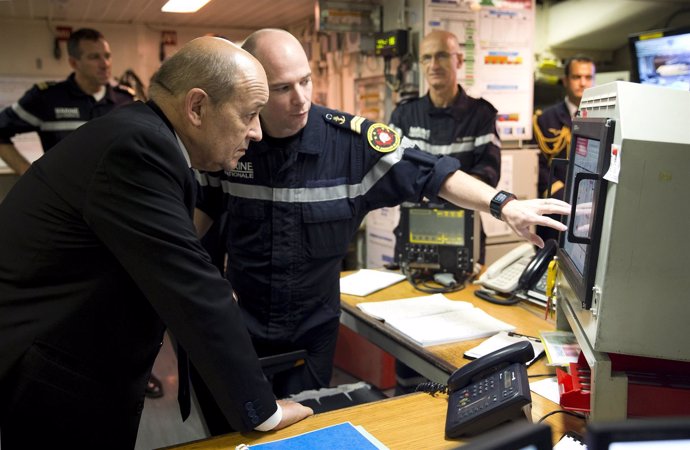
x,y
183,6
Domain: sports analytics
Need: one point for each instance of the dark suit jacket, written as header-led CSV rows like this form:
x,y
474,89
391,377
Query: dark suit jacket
x,y
98,255
555,117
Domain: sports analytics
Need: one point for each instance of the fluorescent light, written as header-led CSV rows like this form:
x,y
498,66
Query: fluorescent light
x,y
183,6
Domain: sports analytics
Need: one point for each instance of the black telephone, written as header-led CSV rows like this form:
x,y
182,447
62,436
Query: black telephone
x,y
489,391
537,266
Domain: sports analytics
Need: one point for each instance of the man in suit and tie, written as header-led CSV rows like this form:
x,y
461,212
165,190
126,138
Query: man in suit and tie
x,y
100,255
552,131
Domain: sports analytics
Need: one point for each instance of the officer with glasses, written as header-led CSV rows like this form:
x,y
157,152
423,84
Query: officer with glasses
x,y
447,121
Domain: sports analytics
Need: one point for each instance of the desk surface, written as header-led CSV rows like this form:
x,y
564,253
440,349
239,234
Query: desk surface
x,y
417,420
390,421
413,421
439,361
527,318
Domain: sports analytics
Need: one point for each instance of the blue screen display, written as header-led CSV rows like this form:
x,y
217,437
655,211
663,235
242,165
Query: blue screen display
x,y
664,60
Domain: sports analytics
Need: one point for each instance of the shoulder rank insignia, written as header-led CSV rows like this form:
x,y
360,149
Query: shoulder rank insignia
x,y
383,138
380,136
353,123
43,85
126,89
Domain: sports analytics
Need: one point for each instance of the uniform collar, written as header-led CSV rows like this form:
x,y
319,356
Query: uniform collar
x,y
572,107
563,113
76,90
312,136
456,109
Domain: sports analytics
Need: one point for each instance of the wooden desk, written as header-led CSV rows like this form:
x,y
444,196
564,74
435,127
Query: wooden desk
x,y
437,362
417,420
413,421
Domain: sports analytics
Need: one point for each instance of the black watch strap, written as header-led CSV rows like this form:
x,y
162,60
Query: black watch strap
x,y
499,201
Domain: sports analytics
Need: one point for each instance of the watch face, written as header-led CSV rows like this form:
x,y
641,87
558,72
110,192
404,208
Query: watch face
x,y
500,197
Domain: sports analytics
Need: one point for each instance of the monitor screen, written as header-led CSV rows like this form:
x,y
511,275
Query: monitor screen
x,y
437,226
585,160
590,155
662,58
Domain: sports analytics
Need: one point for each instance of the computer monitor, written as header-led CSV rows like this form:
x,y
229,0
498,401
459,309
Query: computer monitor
x,y
661,57
648,434
622,260
586,192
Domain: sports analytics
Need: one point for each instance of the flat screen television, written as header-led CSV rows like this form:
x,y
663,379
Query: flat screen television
x,y
661,57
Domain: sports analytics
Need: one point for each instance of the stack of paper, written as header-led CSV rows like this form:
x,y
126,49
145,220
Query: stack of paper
x,y
435,319
366,281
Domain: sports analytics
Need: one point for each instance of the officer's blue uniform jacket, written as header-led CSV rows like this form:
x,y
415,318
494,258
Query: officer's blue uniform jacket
x,y
465,130
55,109
293,213
554,121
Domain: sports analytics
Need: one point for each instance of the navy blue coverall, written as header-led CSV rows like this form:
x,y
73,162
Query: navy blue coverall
x,y
55,109
294,205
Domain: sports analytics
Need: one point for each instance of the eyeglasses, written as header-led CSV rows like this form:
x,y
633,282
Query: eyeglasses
x,y
439,56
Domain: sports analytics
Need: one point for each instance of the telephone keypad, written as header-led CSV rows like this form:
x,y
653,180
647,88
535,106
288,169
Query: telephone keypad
x,y
488,401
485,393
507,279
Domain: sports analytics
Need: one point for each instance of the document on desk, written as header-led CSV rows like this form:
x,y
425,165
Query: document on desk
x,y
367,281
343,436
435,319
503,339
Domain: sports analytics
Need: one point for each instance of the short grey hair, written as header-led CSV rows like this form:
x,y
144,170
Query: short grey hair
x,y
190,68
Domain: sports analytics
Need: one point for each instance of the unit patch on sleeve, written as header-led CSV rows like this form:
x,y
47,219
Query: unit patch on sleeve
x,y
383,138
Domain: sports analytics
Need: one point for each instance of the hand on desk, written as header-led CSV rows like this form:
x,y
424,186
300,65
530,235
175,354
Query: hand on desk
x,y
293,412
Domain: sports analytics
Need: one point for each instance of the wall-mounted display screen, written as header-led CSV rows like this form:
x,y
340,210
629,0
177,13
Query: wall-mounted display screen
x,y
662,58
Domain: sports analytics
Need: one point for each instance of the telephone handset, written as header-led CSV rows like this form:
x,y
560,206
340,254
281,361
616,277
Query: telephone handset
x,y
489,390
520,269
503,275
538,265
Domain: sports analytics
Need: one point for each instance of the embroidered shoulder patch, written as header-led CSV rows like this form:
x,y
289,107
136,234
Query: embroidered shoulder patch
x,y
383,138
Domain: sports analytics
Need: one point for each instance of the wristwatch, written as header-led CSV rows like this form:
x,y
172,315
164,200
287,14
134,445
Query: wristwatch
x,y
499,201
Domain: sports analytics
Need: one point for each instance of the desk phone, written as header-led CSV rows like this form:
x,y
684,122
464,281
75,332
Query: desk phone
x,y
489,391
519,269
503,275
